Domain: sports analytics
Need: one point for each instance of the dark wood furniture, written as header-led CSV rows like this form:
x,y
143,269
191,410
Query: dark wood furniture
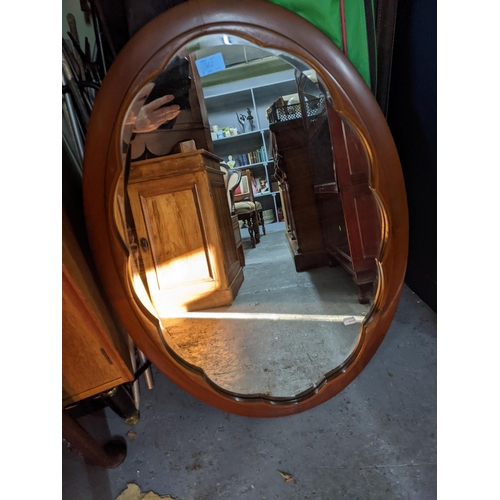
x,y
324,179
292,168
238,240
265,24
95,354
353,235
184,231
109,454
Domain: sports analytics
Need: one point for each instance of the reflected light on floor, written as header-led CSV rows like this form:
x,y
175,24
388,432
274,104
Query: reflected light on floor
x,y
329,318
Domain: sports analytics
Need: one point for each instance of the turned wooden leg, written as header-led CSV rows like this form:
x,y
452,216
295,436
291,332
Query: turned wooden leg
x,y
255,221
110,454
251,226
261,219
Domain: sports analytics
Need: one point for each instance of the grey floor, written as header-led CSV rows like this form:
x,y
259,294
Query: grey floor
x,y
284,330
374,440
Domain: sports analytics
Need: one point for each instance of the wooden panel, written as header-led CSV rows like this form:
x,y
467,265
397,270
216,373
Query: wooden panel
x,y
87,366
322,164
178,251
173,216
94,352
360,208
332,221
369,224
297,187
350,219
238,240
231,261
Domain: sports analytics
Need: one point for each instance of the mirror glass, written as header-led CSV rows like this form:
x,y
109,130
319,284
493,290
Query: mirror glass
x,y
309,281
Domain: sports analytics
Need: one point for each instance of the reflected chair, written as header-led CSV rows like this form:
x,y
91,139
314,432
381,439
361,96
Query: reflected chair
x,y
232,178
244,200
249,196
240,204
246,208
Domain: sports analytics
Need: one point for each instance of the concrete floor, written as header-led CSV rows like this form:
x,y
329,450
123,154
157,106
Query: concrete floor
x,y
244,349
375,440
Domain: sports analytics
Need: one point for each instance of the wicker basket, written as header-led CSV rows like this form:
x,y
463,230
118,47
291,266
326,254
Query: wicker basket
x,y
281,112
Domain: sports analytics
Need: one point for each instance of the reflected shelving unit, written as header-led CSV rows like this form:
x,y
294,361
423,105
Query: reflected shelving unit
x,y
230,98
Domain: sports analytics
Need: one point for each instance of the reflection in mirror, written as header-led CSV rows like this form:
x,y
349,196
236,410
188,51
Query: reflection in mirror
x,y
261,271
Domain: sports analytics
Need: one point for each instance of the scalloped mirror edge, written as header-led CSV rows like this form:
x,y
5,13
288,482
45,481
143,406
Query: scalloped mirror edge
x,y
264,24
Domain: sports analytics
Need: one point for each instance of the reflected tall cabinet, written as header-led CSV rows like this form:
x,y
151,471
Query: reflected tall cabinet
x,y
331,213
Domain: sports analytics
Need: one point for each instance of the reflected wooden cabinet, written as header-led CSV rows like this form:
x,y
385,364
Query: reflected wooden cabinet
x,y
331,214
303,229
184,232
355,235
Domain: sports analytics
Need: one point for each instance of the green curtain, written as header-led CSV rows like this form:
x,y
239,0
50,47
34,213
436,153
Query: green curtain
x,y
325,15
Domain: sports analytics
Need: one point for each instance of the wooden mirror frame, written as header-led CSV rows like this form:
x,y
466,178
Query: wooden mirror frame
x,y
264,24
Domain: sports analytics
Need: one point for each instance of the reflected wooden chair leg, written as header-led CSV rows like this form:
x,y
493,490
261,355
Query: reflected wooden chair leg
x,y
255,222
251,230
249,224
262,222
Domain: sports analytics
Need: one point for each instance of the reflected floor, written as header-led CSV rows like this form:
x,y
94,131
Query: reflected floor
x,y
284,330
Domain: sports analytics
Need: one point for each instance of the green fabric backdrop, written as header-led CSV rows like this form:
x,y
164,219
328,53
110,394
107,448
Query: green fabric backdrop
x,y
325,15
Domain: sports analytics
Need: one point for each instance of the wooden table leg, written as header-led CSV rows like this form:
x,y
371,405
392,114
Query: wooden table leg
x,y
110,454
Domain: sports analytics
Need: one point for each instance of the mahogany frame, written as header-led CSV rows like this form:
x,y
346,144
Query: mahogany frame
x,y
270,25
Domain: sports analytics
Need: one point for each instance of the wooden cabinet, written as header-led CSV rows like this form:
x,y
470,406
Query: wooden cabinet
x,y
95,356
185,232
324,178
303,228
353,234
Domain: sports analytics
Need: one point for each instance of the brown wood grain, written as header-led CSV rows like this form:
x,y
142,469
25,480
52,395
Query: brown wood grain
x,y
179,205
94,354
299,163
143,58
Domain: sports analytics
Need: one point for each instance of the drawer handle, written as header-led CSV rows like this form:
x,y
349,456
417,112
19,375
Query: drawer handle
x,y
144,244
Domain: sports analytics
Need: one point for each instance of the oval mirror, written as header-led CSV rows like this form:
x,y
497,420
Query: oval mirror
x,y
245,206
